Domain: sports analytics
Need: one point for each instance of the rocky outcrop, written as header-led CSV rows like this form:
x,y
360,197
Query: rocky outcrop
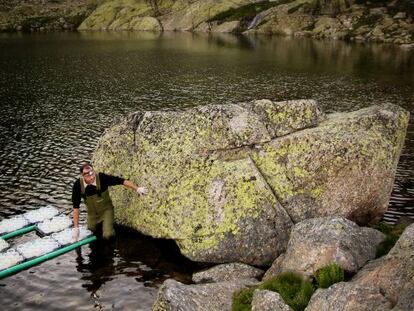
x,y
228,182
340,19
174,295
382,284
44,15
317,242
227,272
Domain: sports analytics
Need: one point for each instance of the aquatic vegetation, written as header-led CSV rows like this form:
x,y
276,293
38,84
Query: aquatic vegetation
x,y
329,275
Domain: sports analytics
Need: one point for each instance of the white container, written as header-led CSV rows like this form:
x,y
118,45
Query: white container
x,y
3,245
12,224
56,224
71,235
38,247
9,259
41,214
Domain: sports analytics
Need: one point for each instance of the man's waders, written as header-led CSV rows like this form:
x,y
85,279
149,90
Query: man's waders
x,y
100,209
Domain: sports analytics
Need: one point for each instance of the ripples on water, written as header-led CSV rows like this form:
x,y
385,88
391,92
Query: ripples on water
x,y
60,91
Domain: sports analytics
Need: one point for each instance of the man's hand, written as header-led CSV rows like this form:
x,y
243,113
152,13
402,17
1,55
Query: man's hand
x,y
142,190
75,234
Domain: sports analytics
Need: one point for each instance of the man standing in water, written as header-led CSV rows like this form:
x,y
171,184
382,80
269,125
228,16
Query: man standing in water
x,y
93,188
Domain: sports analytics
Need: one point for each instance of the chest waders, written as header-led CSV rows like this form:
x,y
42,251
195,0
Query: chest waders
x,y
100,209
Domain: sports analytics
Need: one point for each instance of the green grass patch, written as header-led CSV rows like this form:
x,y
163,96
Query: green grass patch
x,y
392,234
295,290
329,275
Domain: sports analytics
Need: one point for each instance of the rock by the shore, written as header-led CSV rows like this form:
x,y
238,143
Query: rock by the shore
x,y
343,19
226,181
174,295
315,243
382,284
227,272
266,300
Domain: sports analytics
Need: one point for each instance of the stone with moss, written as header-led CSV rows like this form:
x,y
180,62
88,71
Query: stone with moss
x,y
226,181
317,242
346,166
383,284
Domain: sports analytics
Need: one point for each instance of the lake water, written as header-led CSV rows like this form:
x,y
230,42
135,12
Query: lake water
x,y
58,92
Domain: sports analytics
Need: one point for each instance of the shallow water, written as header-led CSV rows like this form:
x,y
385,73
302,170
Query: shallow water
x,y
60,91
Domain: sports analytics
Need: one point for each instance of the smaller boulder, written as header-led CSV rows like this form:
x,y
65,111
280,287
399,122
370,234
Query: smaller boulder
x,y
317,242
227,272
266,300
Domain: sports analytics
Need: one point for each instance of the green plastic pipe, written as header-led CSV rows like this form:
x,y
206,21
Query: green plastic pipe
x,y
27,264
18,232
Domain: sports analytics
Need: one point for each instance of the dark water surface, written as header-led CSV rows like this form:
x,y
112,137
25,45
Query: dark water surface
x,y
58,92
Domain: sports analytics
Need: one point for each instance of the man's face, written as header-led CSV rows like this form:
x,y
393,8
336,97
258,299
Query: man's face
x,y
88,175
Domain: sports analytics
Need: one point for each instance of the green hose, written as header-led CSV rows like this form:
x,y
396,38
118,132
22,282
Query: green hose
x,y
18,232
27,264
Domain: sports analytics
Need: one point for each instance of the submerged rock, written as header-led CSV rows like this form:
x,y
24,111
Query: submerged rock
x,y
227,182
315,243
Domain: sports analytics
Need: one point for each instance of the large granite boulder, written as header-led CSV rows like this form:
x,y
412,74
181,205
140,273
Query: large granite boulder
x,y
174,295
227,182
317,242
382,284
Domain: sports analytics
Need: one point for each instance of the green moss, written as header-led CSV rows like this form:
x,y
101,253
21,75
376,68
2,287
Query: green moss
x,y
295,290
392,234
329,275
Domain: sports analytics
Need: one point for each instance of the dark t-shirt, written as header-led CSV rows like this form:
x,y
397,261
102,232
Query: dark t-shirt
x,y
105,180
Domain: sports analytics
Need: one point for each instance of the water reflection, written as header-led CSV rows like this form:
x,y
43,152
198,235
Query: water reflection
x,y
60,91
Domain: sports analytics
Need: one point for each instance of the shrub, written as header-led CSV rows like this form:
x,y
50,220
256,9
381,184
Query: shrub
x,y
295,290
242,300
329,275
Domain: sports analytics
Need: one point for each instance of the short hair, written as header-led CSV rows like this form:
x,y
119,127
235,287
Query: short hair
x,y
85,165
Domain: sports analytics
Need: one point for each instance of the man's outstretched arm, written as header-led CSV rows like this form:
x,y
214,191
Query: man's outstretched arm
x,y
139,189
